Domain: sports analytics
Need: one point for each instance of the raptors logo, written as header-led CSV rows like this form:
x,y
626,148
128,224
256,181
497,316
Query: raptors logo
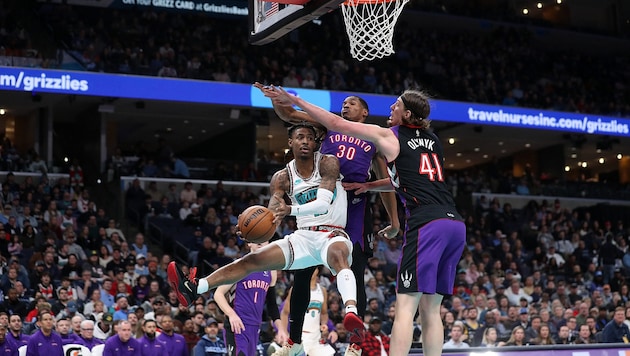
x,y
406,279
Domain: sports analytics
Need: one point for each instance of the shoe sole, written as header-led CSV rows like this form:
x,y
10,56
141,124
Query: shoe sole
x,y
355,327
173,276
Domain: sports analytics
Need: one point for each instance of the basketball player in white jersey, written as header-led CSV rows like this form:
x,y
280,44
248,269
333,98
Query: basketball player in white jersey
x,y
315,319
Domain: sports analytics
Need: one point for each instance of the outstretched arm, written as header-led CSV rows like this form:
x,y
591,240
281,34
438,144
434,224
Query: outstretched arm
x,y
287,113
380,185
383,138
388,198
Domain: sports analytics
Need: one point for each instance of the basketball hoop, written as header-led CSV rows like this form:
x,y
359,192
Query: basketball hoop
x,y
370,26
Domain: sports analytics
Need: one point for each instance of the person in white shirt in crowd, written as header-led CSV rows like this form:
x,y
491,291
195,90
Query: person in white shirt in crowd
x,y
563,245
515,293
552,253
455,342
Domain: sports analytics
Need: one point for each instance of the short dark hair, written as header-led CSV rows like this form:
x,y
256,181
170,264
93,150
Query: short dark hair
x,y
291,130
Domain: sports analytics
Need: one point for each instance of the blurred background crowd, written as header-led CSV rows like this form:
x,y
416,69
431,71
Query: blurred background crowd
x,y
538,274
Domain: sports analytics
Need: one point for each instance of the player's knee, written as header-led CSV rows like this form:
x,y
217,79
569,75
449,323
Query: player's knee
x,y
338,258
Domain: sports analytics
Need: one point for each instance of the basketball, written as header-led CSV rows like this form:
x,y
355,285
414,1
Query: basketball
x,y
256,224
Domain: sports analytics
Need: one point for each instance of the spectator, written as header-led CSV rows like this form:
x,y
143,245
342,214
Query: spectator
x,y
210,344
139,246
175,343
616,331
455,341
86,337
121,343
375,339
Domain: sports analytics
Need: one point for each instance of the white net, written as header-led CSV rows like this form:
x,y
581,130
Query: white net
x,y
370,26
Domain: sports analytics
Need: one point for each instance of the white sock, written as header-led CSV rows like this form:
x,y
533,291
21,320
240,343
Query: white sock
x,y
352,309
202,287
347,286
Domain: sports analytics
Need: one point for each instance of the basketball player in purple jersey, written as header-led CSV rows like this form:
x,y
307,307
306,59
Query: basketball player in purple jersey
x,y
356,157
243,303
434,235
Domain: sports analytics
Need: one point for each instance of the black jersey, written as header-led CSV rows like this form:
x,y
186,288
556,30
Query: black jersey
x,y
418,175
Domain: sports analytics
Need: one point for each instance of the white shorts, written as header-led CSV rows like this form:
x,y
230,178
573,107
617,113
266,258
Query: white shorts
x,y
305,248
316,349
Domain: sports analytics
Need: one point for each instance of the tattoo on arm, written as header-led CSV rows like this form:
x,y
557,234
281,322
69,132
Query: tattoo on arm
x,y
329,170
278,187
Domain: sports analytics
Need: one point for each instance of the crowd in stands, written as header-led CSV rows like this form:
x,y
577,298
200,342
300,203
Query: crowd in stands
x,y
16,45
543,271
505,66
539,267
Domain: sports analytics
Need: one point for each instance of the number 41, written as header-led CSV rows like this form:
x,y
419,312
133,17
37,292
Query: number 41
x,y
426,166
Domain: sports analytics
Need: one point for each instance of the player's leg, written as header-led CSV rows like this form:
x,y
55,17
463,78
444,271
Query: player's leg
x,y
270,257
402,331
432,327
360,229
242,344
359,261
452,236
338,252
299,302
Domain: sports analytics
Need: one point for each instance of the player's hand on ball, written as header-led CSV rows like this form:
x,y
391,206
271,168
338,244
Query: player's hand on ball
x,y
281,210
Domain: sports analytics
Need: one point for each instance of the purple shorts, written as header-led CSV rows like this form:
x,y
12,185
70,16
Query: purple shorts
x,y
431,252
245,343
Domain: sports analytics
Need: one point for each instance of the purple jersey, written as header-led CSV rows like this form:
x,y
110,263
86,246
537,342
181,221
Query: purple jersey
x,y
175,344
116,347
40,344
8,348
20,340
248,295
354,155
355,158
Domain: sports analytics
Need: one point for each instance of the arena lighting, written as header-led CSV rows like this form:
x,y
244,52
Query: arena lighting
x,y
567,168
477,149
539,5
558,2
601,160
584,164
525,11
619,156
459,154
528,145
2,112
451,140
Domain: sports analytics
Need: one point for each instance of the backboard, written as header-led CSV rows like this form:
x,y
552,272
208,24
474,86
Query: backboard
x,y
269,20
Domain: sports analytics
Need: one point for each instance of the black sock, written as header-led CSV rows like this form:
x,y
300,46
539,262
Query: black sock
x,y
300,297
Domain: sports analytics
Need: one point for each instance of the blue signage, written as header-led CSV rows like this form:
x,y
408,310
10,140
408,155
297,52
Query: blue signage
x,y
233,94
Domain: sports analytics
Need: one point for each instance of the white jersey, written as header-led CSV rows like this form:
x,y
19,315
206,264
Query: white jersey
x,y
312,319
304,190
